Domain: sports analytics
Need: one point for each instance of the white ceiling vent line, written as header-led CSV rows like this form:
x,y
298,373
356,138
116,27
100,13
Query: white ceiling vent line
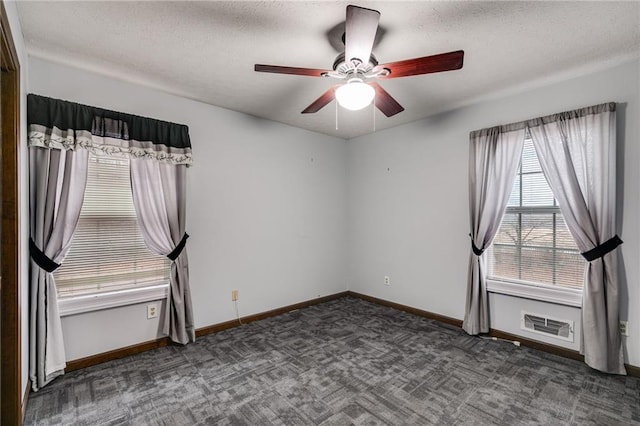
x,y
543,324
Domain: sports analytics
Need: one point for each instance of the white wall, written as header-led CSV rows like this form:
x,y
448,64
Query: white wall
x,y
408,210
16,32
266,209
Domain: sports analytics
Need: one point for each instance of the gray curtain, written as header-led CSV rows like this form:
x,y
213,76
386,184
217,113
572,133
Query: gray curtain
x,y
60,135
494,155
577,152
57,180
159,196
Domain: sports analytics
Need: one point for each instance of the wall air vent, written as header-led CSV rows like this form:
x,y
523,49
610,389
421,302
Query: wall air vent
x,y
543,324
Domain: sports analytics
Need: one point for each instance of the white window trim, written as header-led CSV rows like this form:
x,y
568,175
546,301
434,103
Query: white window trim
x,y
546,293
73,305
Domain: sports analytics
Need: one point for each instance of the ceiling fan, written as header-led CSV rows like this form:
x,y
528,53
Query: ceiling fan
x,y
358,68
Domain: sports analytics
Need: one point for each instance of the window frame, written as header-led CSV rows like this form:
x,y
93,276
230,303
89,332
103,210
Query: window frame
x,y
154,289
74,305
552,293
536,291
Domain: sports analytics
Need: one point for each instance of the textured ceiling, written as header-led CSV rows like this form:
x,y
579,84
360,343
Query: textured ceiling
x,y
206,50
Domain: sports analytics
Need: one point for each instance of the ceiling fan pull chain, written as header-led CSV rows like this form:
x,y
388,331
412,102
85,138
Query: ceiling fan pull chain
x,y
336,102
373,108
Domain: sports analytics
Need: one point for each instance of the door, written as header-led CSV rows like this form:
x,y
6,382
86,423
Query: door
x,y
11,388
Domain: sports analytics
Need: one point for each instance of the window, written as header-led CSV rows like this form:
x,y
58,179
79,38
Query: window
x,y
108,252
533,244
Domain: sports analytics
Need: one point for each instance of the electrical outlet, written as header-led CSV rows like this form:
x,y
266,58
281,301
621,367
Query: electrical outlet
x,y
152,310
624,328
234,295
387,281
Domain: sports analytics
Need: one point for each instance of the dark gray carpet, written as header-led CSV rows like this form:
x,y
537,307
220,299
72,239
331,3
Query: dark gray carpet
x,y
339,363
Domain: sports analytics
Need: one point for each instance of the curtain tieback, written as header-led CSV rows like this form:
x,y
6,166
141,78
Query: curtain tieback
x,y
41,259
601,250
476,250
176,251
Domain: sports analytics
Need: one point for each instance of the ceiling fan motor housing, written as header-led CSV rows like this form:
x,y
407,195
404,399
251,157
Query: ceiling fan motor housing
x,y
341,66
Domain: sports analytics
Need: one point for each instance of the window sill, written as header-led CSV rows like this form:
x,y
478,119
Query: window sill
x,y
558,295
94,302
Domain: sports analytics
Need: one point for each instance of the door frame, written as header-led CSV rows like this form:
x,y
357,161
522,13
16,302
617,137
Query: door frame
x,y
11,388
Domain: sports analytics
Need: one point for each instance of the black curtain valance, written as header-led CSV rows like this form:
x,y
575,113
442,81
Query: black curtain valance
x,y
56,123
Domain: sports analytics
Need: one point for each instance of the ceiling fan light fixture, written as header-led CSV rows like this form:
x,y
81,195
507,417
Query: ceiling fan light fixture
x,y
355,95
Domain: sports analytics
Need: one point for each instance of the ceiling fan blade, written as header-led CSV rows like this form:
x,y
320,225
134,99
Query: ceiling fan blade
x,y
360,32
425,65
384,101
323,100
311,72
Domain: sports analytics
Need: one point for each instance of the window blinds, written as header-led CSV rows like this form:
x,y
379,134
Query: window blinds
x,y
108,252
533,243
